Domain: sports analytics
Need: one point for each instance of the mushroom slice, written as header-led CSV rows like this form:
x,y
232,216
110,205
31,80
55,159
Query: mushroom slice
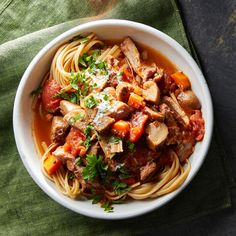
x,y
151,92
156,132
188,100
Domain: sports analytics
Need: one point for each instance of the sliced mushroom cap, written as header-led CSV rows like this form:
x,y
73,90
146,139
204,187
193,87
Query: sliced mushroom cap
x,y
156,132
123,91
188,100
151,92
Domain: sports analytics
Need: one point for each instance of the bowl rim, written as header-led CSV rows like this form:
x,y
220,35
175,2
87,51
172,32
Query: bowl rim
x,y
112,22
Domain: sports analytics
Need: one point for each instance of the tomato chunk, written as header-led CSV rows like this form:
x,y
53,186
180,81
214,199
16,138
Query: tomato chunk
x,y
198,125
50,89
74,142
138,121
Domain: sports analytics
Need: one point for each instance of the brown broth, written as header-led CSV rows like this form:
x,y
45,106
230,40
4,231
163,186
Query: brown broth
x,y
41,128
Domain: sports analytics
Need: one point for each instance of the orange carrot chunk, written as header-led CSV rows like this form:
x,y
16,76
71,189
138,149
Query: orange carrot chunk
x,y
181,80
120,128
52,164
136,101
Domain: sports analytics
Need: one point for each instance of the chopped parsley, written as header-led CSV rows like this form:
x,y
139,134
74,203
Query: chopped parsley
x,y
94,167
107,207
88,129
84,40
123,173
77,37
114,139
87,143
71,97
78,161
131,146
75,118
82,62
105,96
71,176
119,75
120,187
90,101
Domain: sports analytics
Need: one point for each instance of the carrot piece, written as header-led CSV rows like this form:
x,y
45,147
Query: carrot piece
x,y
121,128
52,164
181,80
136,101
138,90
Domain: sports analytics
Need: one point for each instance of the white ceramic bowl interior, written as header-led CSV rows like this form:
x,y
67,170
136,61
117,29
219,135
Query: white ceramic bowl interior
x,y
106,29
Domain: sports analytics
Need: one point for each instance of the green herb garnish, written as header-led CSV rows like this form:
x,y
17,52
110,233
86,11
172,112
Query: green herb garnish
x,y
107,207
105,96
91,170
75,118
88,129
84,40
77,37
78,161
90,101
120,187
71,176
131,146
114,139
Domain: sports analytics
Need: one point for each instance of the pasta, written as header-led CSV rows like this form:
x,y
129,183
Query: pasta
x,y
113,121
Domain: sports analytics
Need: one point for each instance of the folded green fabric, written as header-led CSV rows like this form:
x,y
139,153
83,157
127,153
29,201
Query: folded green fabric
x,y
26,26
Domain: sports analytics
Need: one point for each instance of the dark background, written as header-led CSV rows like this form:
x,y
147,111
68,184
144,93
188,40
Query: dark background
x,y
212,28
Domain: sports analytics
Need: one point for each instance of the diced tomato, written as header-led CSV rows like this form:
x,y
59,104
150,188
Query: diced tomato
x,y
50,89
74,141
127,75
121,128
52,164
198,125
138,121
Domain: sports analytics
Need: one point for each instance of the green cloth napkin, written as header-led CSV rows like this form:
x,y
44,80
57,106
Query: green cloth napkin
x,y
26,26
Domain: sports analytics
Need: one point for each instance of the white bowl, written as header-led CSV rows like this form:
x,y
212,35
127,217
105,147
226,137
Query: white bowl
x,y
106,29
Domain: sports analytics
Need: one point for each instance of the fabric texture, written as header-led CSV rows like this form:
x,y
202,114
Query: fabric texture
x,y
26,26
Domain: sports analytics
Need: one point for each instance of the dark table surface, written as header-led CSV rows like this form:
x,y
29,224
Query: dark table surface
x,y
212,28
